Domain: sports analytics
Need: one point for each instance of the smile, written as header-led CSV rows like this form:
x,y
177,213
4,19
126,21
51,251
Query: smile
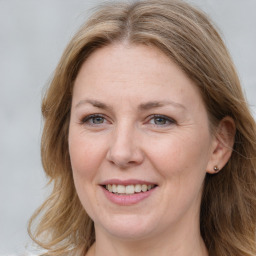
x,y
128,189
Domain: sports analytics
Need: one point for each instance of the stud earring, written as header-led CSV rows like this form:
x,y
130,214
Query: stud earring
x,y
216,168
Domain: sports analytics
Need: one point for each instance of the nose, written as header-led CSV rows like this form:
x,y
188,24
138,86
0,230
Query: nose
x,y
125,150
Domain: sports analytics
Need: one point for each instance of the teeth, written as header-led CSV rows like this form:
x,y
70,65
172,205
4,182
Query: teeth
x,y
137,188
129,189
120,189
144,188
109,188
114,188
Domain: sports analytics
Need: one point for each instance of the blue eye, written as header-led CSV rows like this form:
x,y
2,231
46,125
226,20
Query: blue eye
x,y
160,120
94,120
97,120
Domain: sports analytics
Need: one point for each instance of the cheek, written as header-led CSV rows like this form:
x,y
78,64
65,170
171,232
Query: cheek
x,y
181,153
181,161
86,154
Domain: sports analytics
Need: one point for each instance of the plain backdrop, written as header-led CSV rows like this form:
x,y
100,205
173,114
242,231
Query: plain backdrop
x,y
33,35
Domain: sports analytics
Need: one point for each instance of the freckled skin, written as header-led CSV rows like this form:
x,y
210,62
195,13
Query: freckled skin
x,y
129,144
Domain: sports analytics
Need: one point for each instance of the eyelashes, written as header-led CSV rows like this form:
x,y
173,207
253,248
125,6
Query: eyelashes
x,y
95,119
156,120
161,120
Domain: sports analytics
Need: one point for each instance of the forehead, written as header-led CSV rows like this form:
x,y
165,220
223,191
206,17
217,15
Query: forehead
x,y
133,71
135,58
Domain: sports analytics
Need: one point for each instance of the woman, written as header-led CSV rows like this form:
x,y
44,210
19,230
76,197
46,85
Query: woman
x,y
148,140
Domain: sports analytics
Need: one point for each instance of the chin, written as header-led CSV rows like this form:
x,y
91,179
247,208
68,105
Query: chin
x,y
128,227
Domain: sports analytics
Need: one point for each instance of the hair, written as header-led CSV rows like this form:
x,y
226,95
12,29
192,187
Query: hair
x,y
188,37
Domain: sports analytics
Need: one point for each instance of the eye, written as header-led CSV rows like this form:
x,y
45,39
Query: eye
x,y
95,119
161,120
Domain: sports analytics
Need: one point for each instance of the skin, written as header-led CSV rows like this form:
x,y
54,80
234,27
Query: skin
x,y
120,83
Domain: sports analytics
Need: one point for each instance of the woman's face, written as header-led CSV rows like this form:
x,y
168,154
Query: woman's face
x,y
139,128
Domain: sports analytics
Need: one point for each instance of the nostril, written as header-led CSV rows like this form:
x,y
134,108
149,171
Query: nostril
x,y
124,158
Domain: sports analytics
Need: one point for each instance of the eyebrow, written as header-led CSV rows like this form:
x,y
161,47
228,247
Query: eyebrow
x,y
158,104
95,103
143,106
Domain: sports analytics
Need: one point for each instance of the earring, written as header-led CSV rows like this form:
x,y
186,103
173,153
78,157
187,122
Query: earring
x,y
216,168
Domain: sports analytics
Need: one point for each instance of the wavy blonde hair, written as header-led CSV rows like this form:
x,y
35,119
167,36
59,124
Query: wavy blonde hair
x,y
185,34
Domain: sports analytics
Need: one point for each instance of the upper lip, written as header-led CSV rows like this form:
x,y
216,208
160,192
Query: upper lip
x,y
127,182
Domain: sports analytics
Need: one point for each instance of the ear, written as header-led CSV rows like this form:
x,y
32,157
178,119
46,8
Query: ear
x,y
222,145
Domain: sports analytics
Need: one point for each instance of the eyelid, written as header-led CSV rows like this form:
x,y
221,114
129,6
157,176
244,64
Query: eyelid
x,y
170,121
167,118
85,119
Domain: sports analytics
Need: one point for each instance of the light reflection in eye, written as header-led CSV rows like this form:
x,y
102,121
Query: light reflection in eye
x,y
161,120
93,120
157,120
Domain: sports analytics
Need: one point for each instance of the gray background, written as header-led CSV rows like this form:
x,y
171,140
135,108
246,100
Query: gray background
x,y
33,35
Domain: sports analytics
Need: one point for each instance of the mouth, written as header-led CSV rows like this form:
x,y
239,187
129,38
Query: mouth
x,y
128,192
130,189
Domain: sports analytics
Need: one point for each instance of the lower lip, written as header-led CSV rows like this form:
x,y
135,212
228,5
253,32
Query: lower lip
x,y
126,200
